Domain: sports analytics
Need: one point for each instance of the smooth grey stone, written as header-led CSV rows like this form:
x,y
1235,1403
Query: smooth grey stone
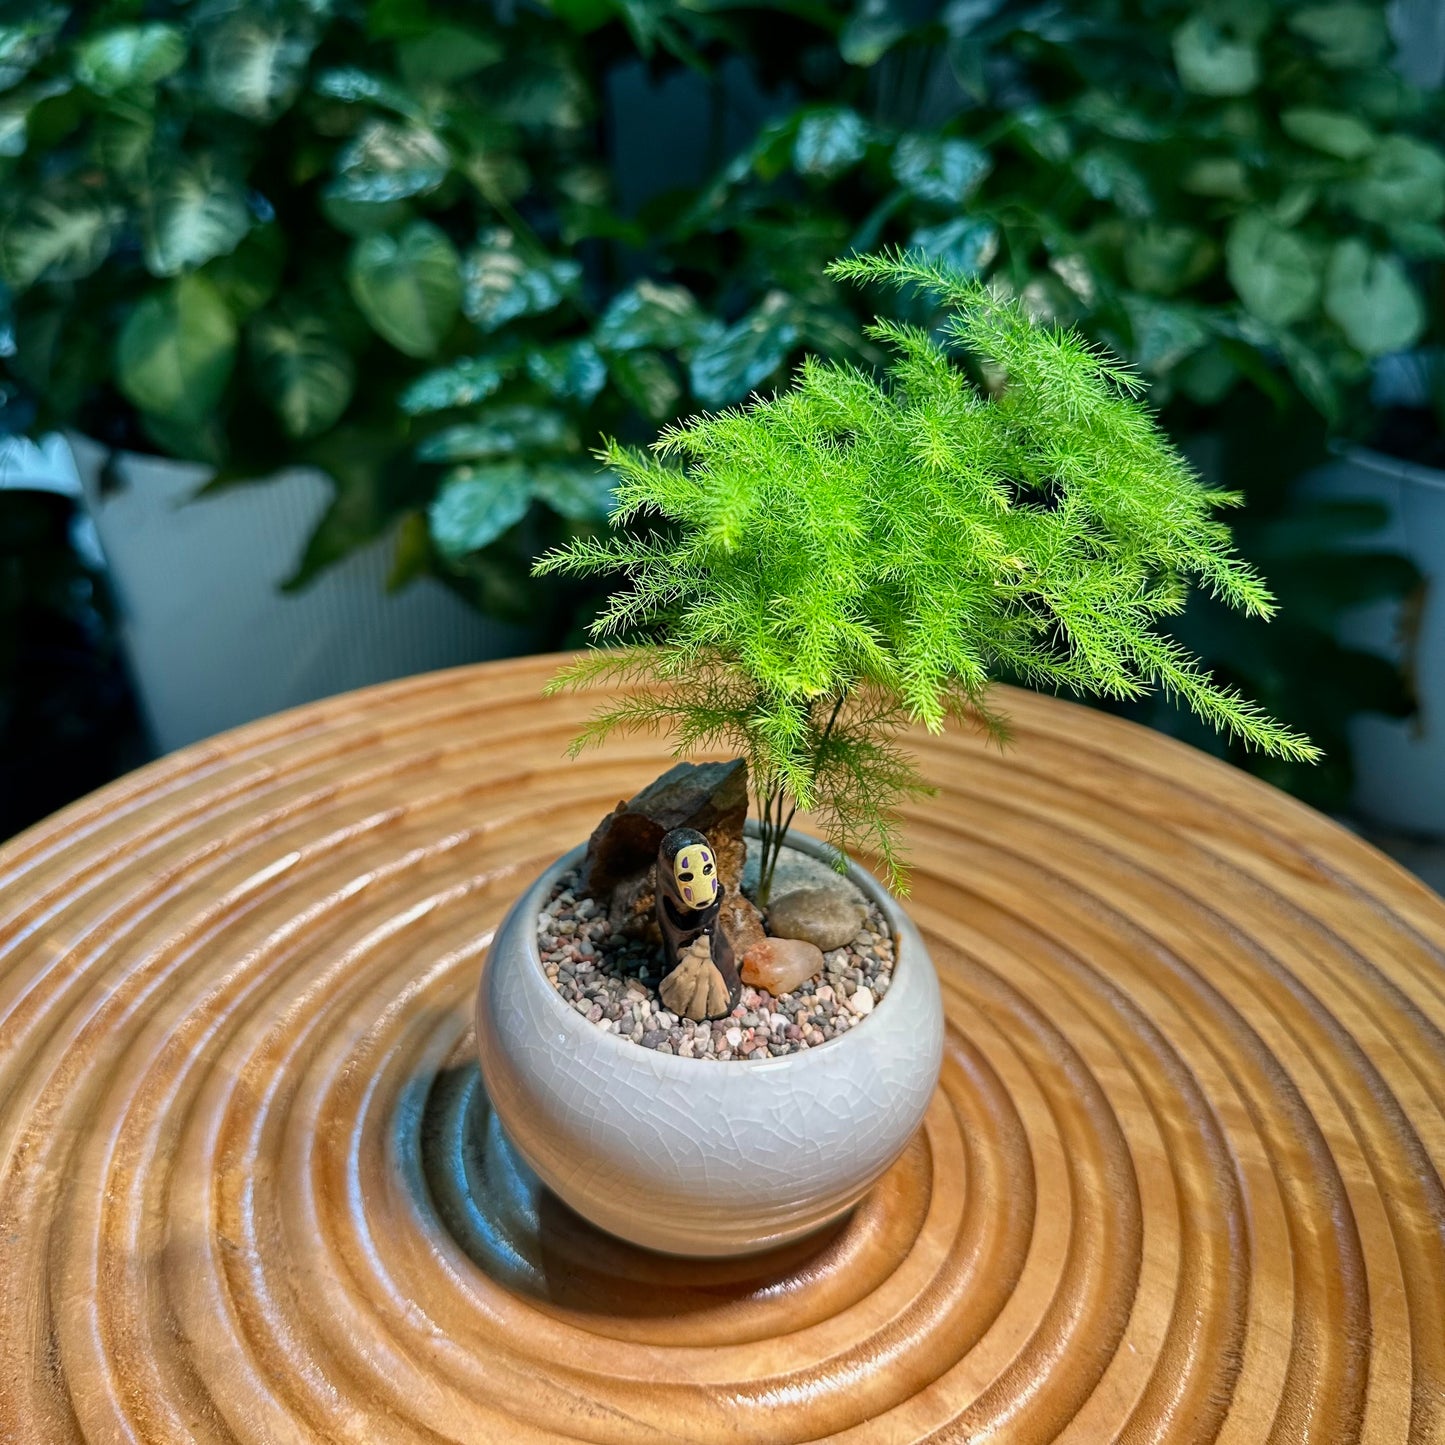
x,y
824,917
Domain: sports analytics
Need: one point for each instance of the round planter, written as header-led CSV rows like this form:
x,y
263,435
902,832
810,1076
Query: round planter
x,y
1400,764
694,1156
211,639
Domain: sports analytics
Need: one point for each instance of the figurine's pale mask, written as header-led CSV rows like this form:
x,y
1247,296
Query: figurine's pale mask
x,y
696,874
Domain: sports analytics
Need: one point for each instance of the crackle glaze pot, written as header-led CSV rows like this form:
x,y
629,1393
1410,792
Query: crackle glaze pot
x,y
700,1157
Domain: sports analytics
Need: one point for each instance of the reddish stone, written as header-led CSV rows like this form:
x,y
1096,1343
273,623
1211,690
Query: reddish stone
x,y
781,964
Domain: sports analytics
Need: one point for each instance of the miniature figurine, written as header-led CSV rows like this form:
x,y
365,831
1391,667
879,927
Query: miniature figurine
x,y
702,981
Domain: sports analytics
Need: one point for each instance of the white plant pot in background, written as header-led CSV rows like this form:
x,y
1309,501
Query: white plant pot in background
x,y
1400,764
699,1156
213,642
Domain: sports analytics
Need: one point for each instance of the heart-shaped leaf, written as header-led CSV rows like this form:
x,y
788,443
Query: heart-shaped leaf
x,y
1370,298
1095,110
365,218
361,460
965,244
504,431
389,161
1274,272
1311,373
127,56
938,169
13,128
1403,180
1109,176
463,383
1165,259
175,352
476,505
62,232
196,212
647,381
580,492
1211,62
829,142
655,314
355,86
253,65
408,287
121,143
447,53
746,355
24,44
830,331
1330,131
1164,333
1044,133
302,369
571,371
1419,240
872,30
542,91
962,17
1346,35
247,279
501,283
1220,176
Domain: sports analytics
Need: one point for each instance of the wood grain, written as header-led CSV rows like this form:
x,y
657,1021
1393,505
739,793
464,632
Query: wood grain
x,y
1182,1179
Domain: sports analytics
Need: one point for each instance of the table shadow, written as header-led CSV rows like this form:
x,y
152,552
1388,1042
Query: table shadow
x,y
521,1235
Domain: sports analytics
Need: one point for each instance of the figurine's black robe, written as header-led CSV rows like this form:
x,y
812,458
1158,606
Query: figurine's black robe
x,y
681,924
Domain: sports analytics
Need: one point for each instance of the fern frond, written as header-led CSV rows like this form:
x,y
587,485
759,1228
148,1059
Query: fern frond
x,y
808,573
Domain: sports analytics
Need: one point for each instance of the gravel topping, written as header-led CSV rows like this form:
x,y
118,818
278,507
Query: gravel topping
x,y
612,982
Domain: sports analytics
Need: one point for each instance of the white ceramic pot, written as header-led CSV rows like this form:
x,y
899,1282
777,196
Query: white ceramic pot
x,y
695,1156
1399,764
212,640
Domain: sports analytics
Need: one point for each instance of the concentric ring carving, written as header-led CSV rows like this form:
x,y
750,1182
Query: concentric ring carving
x,y
1181,1181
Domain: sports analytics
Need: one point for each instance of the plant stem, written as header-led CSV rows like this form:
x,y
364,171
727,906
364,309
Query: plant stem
x,y
775,830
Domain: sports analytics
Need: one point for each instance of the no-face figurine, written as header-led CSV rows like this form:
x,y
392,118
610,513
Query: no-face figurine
x,y
702,981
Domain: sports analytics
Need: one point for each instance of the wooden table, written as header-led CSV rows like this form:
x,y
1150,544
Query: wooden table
x,y
1182,1180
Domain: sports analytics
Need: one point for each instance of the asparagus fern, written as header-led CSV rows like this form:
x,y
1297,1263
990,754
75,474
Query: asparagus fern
x,y
858,553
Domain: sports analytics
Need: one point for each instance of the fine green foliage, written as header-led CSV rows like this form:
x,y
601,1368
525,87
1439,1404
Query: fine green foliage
x,y
851,555
297,232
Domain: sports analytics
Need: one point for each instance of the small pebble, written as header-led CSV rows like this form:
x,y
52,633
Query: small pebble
x,y
597,973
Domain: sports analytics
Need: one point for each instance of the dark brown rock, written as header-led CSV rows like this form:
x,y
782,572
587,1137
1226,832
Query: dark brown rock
x,y
632,909
710,797
621,866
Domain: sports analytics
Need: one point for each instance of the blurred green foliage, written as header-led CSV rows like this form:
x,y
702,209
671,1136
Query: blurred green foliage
x,y
438,250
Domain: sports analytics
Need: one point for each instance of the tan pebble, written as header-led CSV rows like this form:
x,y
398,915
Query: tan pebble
x,y
781,964
861,1002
